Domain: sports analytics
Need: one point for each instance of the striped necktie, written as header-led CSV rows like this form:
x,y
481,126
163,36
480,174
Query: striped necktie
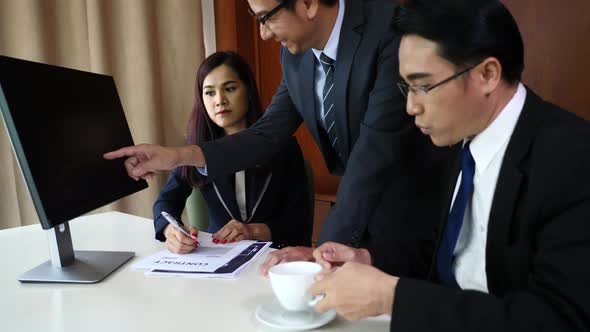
x,y
328,101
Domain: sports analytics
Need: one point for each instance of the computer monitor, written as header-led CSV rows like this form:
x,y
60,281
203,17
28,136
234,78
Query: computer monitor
x,y
60,122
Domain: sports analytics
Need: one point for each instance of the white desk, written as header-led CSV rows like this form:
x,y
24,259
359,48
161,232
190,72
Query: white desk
x,y
127,300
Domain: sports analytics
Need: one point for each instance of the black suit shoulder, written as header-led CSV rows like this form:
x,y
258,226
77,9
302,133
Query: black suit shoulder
x,y
559,156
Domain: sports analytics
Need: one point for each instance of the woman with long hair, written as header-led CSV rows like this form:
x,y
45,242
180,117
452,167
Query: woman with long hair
x,y
267,203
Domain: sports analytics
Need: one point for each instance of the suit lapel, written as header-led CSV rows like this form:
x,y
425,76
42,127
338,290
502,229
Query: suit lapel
x,y
502,214
227,191
255,183
350,37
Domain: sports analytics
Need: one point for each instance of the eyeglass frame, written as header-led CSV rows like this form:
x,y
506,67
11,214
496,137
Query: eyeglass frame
x,y
405,88
262,20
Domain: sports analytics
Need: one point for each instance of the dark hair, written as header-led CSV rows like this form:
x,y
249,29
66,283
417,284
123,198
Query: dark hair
x,y
290,4
466,31
200,127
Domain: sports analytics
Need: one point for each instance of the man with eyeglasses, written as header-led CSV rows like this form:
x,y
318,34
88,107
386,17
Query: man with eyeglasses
x,y
515,220
339,60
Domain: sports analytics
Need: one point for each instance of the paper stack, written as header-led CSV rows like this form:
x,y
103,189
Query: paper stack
x,y
209,260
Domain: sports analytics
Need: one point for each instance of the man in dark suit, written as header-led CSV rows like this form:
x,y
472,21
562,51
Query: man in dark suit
x,y
339,60
514,232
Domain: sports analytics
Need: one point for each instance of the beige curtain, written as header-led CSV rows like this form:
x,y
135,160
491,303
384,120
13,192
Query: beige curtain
x,y
151,47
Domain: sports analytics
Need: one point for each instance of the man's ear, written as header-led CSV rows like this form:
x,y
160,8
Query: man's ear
x,y
311,8
489,75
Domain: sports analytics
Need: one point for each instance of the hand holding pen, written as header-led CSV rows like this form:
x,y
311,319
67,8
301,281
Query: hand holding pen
x,y
179,239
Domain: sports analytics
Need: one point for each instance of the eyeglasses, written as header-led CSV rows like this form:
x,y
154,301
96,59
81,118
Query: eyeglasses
x,y
418,90
262,19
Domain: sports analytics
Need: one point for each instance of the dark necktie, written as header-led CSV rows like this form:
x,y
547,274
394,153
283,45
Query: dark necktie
x,y
445,256
328,101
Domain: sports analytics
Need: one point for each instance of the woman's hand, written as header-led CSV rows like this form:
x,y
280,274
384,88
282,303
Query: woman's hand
x,y
236,230
178,243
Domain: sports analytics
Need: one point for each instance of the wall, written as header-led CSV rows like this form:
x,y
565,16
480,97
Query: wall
x,y
557,50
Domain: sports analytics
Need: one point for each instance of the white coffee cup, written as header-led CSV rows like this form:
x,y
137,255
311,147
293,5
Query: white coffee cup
x,y
290,283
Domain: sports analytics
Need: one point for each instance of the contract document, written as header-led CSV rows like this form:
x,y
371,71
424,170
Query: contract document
x,y
209,260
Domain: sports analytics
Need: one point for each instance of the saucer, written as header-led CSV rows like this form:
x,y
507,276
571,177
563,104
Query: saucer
x,y
275,316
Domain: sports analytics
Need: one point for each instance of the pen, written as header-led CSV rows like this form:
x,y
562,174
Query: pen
x,y
174,223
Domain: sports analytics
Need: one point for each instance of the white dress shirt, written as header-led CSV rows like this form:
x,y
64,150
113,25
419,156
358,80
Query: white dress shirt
x,y
331,50
241,194
488,149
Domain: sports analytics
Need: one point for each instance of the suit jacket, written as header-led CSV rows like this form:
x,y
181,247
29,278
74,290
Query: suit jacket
x,y
282,204
538,240
382,149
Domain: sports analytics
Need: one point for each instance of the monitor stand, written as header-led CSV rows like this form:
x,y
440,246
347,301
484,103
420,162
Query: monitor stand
x,y
69,266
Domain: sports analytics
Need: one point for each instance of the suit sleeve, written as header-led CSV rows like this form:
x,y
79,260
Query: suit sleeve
x,y
257,144
172,199
293,226
380,155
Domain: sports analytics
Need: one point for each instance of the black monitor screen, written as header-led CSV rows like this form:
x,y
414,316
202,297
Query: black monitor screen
x,y
60,122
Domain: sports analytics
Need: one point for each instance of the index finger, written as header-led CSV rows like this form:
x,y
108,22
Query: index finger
x,y
323,305
234,233
320,288
225,230
182,238
318,255
194,232
271,260
122,152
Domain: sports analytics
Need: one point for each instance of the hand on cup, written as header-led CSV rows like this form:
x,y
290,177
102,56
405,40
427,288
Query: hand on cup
x,y
288,254
331,255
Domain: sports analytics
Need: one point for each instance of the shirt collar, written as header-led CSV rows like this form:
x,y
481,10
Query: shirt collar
x,y
489,142
331,48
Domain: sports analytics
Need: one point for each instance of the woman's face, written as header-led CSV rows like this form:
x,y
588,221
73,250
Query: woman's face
x,y
226,99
